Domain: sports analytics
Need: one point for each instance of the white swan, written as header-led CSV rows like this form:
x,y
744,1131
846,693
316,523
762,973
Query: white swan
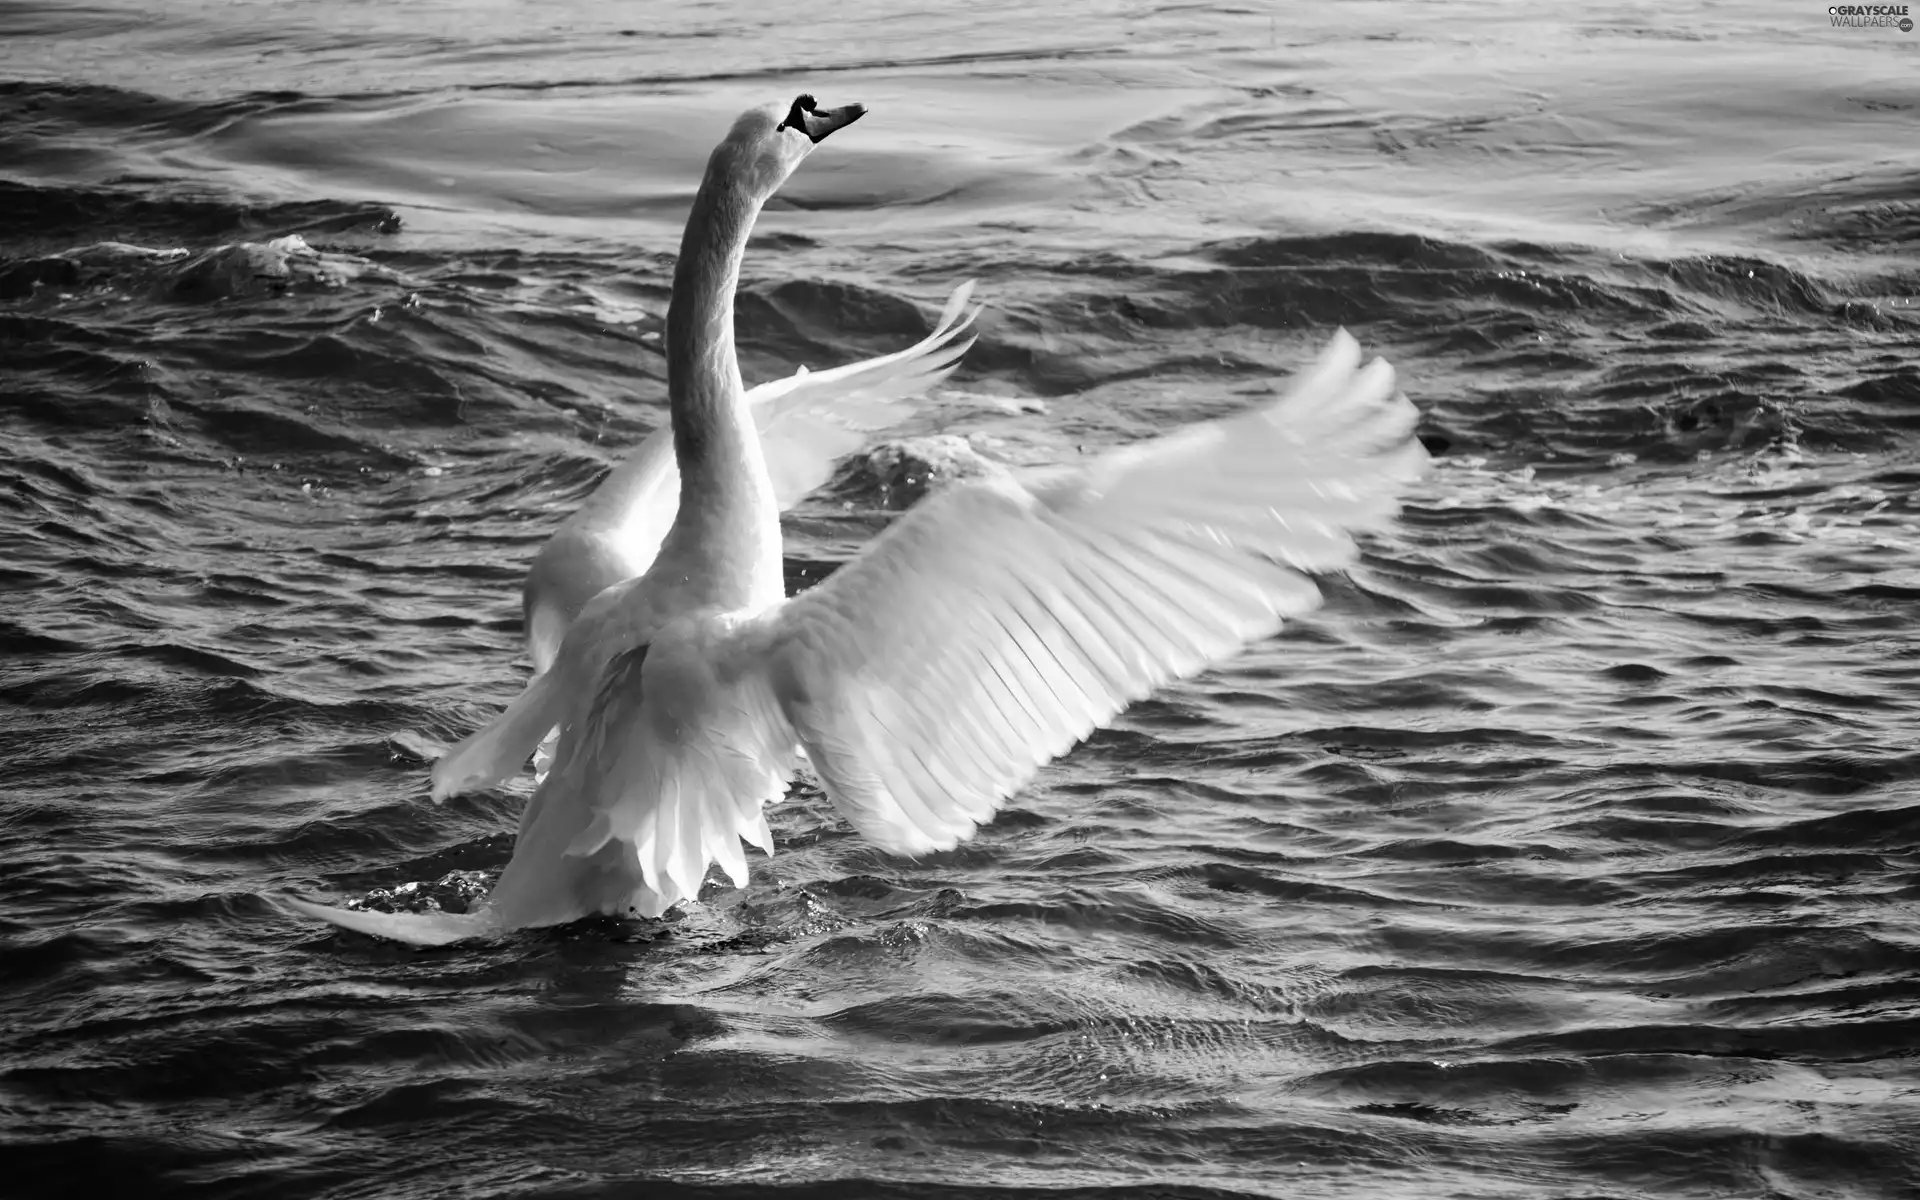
x,y
985,633
721,544
807,422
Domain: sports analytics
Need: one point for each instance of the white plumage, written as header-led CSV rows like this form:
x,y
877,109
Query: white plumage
x,y
807,422
986,632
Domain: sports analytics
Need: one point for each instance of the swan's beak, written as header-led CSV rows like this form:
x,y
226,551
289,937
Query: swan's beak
x,y
816,122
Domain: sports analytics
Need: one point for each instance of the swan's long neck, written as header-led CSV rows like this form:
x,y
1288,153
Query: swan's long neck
x,y
703,375
727,530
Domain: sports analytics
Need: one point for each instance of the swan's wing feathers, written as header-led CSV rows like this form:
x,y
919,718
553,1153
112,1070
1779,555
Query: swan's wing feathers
x,y
956,319
612,537
587,754
552,699
809,421
1292,479
497,751
999,623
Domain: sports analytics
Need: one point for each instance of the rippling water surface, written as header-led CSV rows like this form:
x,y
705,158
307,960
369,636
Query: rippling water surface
x,y
1572,849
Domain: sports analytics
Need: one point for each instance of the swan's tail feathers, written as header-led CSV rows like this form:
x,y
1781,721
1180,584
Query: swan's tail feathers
x,y
675,811
661,799
497,752
415,929
808,422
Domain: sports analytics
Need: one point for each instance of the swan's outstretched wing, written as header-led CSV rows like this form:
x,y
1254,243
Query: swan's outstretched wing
x,y
1002,621
810,421
807,422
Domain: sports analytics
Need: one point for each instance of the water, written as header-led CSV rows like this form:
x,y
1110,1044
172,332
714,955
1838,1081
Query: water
x,y
1573,849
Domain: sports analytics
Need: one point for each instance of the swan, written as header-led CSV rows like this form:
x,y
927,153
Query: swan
x,y
719,543
990,629
986,632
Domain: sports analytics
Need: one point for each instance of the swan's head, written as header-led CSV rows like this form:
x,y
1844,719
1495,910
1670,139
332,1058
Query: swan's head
x,y
768,142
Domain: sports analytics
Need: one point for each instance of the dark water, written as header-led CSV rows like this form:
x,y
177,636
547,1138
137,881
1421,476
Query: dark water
x,y
1573,849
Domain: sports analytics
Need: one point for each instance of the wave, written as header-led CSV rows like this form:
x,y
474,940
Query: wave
x,y
1560,850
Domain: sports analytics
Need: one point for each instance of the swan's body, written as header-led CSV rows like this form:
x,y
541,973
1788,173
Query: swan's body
x,y
986,632
807,422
